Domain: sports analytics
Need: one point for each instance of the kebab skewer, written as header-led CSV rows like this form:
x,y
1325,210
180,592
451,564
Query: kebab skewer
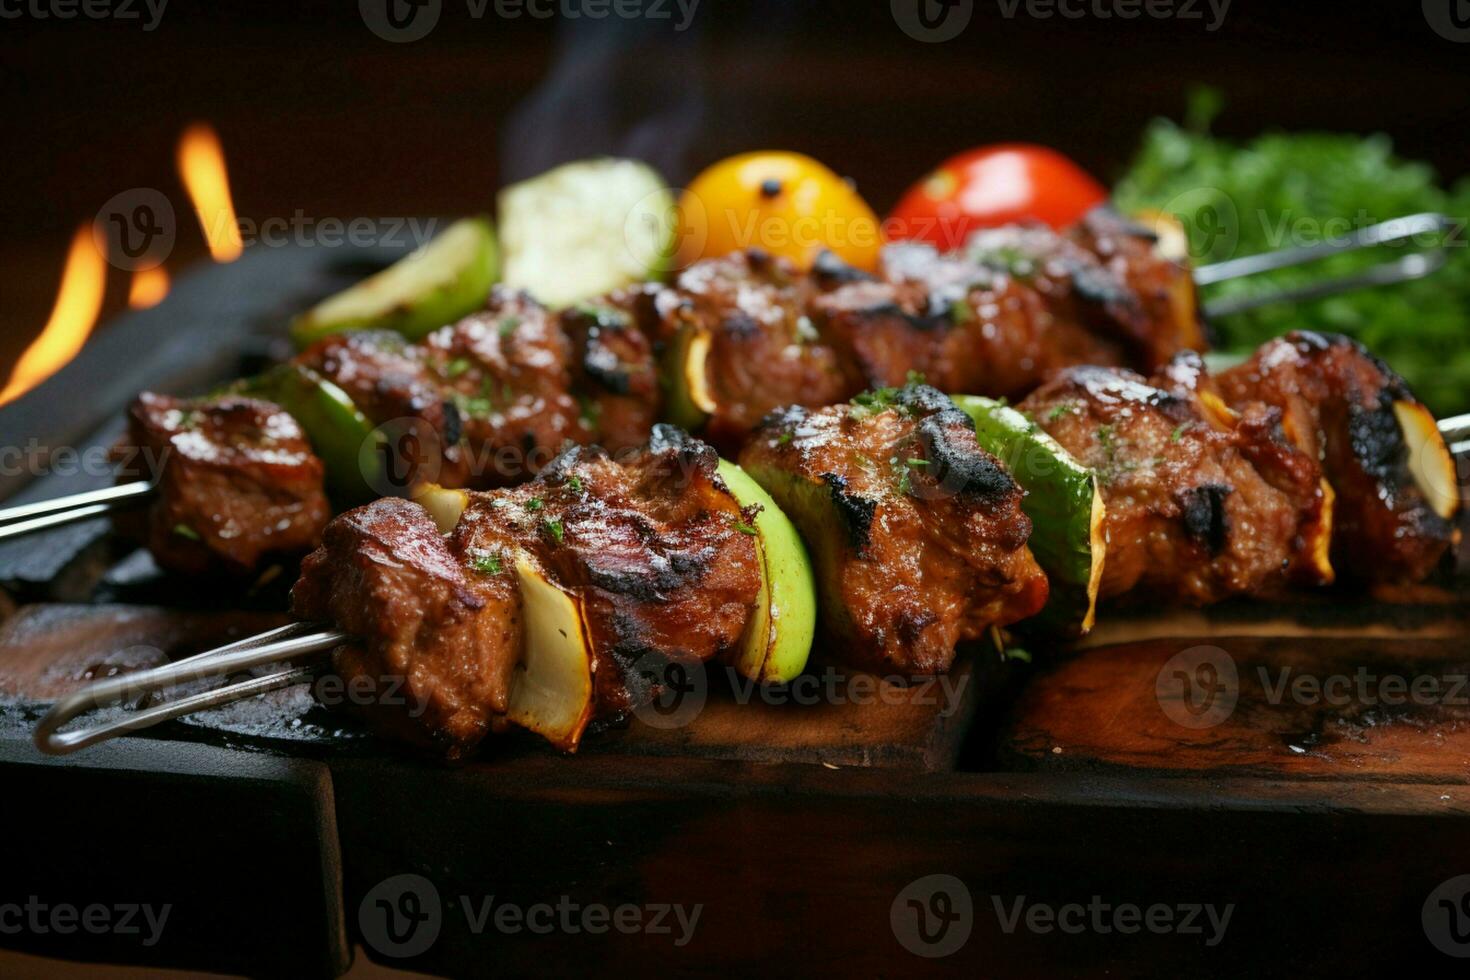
x,y
486,401
1198,497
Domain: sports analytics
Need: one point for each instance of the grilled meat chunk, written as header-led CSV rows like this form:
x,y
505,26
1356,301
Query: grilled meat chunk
x,y
652,545
505,371
764,351
1189,517
1161,286
238,484
613,369
1342,405
488,401
652,542
998,318
435,645
916,533
959,324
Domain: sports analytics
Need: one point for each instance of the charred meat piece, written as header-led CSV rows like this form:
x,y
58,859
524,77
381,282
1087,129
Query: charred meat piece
x,y
436,644
764,351
961,325
653,544
916,533
1189,517
504,370
1342,405
237,483
1161,285
652,550
613,369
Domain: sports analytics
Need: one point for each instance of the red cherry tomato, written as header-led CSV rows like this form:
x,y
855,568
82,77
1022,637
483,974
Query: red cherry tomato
x,y
994,185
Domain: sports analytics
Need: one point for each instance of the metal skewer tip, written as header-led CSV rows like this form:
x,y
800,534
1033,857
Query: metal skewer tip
x,y
29,518
286,643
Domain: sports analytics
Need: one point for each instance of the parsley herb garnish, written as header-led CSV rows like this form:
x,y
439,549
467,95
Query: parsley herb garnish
x,y
1065,408
485,563
872,402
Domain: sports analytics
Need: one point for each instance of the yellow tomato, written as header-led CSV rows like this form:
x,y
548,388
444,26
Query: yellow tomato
x,y
786,203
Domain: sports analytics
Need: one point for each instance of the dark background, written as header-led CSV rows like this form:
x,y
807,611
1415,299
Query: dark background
x,y
319,115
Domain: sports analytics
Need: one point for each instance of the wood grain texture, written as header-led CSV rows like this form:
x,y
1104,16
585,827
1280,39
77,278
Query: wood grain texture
x,y
1359,692
797,867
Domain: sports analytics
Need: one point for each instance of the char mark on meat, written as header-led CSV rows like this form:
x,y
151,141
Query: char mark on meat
x,y
855,510
1205,519
965,469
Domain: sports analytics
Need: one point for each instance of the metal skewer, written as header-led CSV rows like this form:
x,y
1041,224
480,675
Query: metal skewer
x,y
28,518
1456,432
288,642
294,641
1416,265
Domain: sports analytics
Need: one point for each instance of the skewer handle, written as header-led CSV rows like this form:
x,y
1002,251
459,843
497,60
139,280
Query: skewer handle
x,y
29,518
1413,266
295,640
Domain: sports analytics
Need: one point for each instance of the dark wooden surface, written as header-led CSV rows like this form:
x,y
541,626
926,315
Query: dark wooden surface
x,y
837,717
1102,711
242,847
1325,857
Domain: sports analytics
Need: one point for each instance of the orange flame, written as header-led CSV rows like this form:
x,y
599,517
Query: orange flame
x,y
202,165
78,303
148,288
